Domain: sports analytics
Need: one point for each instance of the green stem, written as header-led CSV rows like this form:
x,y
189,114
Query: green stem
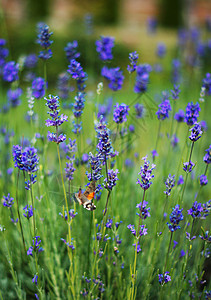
x,y
61,171
19,217
168,251
158,135
33,207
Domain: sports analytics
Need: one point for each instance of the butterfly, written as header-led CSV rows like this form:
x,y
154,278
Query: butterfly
x,y
85,198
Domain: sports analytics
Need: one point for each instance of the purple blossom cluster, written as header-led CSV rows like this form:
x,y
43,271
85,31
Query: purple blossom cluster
x,y
4,52
196,132
56,119
76,71
207,157
38,87
188,166
43,39
13,96
175,217
114,76
71,51
110,180
35,246
143,210
28,211
179,116
140,110
161,50
142,78
133,57
78,105
175,92
10,71
72,214
170,183
25,159
8,201
104,146
96,167
164,278
207,83
146,174
192,113
120,113
104,47
163,110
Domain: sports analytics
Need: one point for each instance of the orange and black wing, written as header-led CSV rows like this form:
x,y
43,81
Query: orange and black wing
x,y
90,191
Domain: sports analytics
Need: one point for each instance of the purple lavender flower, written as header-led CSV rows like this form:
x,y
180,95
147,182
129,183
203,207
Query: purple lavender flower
x,y
207,83
152,24
32,180
95,164
164,278
132,229
146,175
76,127
206,237
180,180
8,201
70,245
110,182
154,153
114,76
36,246
109,223
13,97
63,85
137,247
4,52
71,50
188,166
104,47
176,66
196,210
142,78
105,109
69,170
10,71
30,61
174,140
76,71
71,213
120,113
38,87
104,146
43,39
175,92
161,50
170,183
28,211
25,159
143,210
196,132
78,106
175,217
133,57
192,113
203,180
179,116
139,110
163,111
207,157
56,119
34,280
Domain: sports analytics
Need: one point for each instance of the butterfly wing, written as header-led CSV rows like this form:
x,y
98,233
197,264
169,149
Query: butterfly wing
x,y
90,190
85,198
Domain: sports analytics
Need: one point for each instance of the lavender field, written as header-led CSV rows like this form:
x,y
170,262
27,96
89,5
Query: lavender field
x,y
104,169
